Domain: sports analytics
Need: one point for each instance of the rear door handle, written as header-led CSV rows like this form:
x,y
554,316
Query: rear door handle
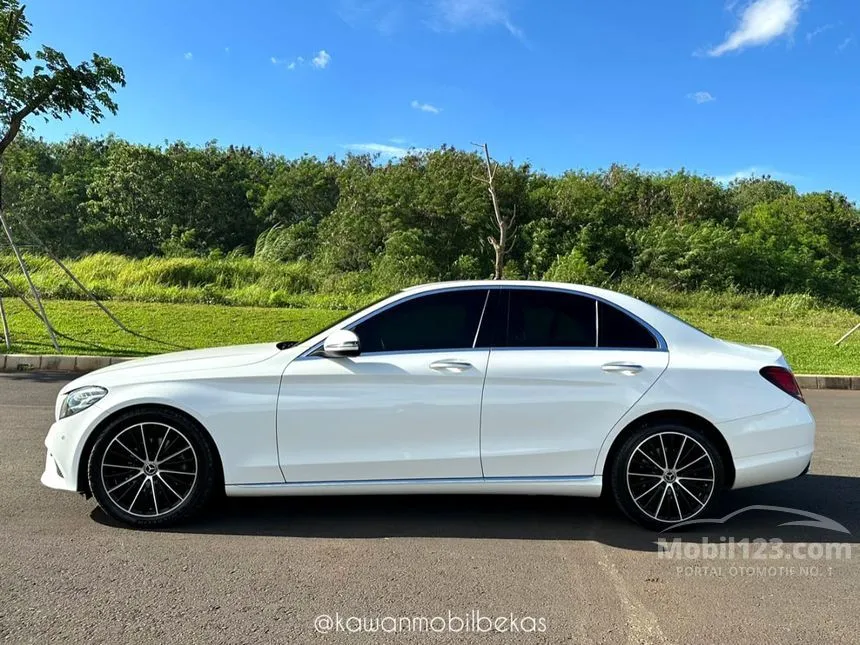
x,y
450,364
628,369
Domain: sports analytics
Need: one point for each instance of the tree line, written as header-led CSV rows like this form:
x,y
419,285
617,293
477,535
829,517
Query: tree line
x,y
361,224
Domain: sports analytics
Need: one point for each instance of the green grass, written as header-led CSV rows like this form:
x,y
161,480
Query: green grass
x,y
804,330
177,326
229,281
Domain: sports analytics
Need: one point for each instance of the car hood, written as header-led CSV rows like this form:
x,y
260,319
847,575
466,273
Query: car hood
x,y
215,358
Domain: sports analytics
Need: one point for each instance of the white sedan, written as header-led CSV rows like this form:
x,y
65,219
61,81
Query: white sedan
x,y
465,387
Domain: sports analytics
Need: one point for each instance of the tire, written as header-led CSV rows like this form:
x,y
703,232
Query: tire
x,y
152,469
667,474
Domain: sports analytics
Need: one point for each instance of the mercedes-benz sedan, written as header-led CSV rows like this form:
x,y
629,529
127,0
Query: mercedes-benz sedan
x,y
466,387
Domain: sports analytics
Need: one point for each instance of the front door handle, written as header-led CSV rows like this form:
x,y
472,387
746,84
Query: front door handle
x,y
450,364
628,369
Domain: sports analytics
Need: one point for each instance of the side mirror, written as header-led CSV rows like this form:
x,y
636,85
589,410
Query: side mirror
x,y
341,343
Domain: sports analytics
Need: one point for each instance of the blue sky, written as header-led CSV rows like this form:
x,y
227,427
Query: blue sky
x,y
750,86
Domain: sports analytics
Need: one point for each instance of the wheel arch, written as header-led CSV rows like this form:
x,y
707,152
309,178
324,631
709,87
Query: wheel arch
x,y
680,417
141,408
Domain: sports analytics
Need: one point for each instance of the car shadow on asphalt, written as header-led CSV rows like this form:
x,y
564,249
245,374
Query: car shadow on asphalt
x,y
538,517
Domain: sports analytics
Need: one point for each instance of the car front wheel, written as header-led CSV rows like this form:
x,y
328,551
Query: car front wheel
x,y
151,469
667,474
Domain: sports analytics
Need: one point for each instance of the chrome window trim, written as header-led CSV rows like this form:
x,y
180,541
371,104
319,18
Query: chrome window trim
x,y
481,320
310,353
662,346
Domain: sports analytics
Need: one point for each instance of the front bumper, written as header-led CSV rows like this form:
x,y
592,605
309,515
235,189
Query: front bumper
x,y
65,443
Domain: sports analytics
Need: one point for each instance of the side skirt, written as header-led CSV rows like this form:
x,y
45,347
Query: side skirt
x,y
586,486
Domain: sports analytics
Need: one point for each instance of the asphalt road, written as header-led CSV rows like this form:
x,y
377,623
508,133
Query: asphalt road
x,y
261,571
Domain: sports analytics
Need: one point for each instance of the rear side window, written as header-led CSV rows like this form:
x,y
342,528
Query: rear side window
x,y
447,320
617,329
540,318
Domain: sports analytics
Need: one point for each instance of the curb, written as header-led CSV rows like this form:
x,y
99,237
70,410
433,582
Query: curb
x,y
64,363
56,362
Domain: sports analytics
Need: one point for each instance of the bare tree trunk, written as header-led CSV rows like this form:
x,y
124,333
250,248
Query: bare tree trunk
x,y
855,328
502,244
23,265
6,338
74,279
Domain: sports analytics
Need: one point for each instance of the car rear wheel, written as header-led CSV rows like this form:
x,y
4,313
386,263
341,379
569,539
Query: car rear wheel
x,y
667,474
151,469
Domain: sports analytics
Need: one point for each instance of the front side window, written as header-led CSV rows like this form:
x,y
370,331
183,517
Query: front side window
x,y
542,318
447,320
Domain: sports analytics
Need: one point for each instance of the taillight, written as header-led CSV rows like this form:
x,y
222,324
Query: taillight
x,y
783,379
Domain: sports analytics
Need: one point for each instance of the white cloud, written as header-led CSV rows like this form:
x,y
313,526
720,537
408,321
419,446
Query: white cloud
x,y
382,149
398,140
844,44
701,97
463,14
761,22
298,61
425,107
321,60
758,171
810,35
386,16
188,55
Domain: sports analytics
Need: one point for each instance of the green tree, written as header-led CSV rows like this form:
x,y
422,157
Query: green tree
x,y
53,88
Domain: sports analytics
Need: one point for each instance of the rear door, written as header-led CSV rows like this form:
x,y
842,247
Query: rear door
x,y
563,370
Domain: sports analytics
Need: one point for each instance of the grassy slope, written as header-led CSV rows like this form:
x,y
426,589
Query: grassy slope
x,y
806,335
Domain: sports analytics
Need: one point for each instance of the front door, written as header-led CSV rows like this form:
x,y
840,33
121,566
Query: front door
x,y
408,407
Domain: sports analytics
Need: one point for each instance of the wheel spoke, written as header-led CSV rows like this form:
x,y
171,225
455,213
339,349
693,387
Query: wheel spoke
x,y
131,506
660,505
176,472
169,487
161,444
175,454
650,459
677,504
649,490
130,479
129,450
698,479
680,452
121,466
645,475
696,460
154,498
665,456
143,439
686,490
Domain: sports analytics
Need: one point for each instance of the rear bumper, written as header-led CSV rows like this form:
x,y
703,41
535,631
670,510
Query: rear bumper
x,y
771,467
771,447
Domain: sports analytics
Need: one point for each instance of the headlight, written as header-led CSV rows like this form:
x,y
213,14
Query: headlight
x,y
80,399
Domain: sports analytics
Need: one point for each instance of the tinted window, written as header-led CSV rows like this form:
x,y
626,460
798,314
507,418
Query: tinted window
x,y
436,321
550,319
617,329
